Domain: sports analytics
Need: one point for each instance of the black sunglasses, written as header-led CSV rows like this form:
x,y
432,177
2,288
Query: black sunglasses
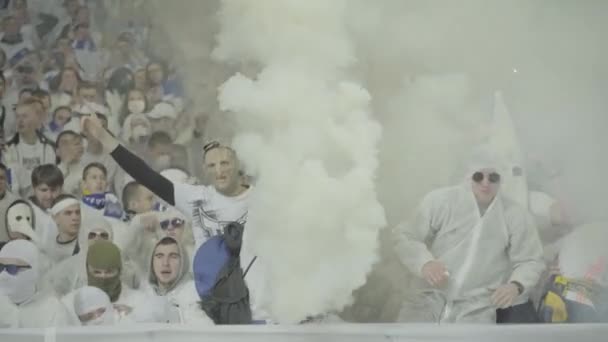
x,y
492,177
102,235
175,223
12,269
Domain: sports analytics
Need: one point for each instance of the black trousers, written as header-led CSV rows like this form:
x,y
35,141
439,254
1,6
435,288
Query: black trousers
x,y
518,314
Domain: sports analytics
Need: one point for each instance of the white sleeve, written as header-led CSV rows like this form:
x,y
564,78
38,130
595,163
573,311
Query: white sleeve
x,y
411,236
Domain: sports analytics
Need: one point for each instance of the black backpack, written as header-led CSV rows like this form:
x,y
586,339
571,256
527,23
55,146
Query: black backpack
x,y
220,280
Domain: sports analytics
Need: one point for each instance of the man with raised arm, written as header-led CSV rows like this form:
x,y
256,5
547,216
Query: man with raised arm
x,y
210,207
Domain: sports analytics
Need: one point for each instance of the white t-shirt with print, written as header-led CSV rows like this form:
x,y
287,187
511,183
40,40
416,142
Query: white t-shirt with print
x,y
23,158
209,210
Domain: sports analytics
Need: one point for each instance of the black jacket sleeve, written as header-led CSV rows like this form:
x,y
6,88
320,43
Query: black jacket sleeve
x,y
143,174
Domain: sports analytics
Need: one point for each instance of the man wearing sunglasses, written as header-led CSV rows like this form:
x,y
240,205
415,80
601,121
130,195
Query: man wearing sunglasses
x,y
20,283
473,251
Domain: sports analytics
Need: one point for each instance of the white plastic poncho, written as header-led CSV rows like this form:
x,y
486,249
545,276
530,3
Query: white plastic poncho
x,y
35,309
481,253
89,299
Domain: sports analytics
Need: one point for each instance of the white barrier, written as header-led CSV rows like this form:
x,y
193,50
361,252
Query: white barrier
x,y
317,333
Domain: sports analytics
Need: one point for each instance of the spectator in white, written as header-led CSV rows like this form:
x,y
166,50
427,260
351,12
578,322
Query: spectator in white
x,y
20,281
67,217
28,148
88,93
61,116
99,202
95,193
162,117
6,199
61,56
70,149
169,276
137,199
83,16
161,151
36,23
143,219
136,103
71,10
26,75
44,108
13,42
104,269
477,251
76,14
118,86
136,131
63,87
174,224
7,115
28,31
93,307
88,56
47,183
20,222
160,86
94,152
148,228
126,54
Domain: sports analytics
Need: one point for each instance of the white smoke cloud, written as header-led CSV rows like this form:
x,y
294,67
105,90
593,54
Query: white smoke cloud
x,y
306,132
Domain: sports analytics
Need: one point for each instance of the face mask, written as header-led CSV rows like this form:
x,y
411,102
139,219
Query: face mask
x,y
19,219
136,106
19,287
163,162
111,286
140,131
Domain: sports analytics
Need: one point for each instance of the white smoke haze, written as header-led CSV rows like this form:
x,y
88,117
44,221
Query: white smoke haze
x,y
431,69
306,133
